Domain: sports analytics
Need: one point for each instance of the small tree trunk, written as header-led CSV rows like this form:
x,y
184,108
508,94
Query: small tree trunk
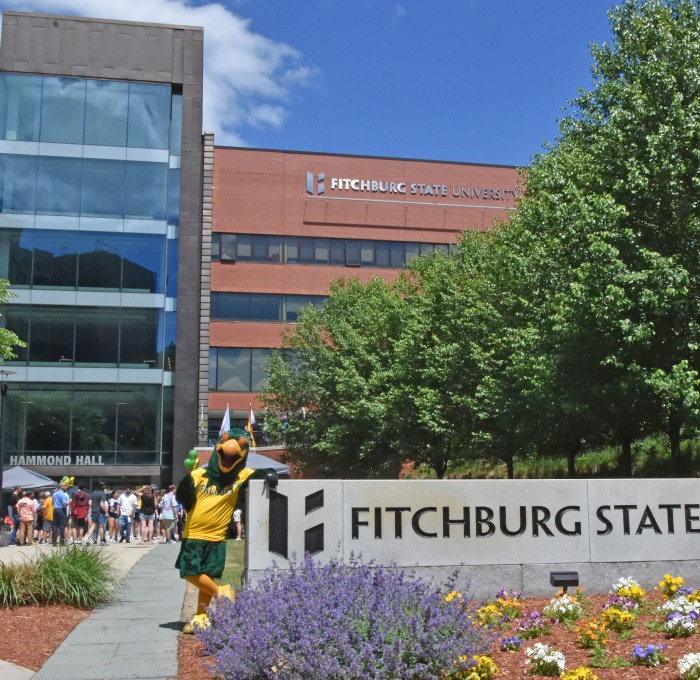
x,y
674,435
571,458
626,457
510,467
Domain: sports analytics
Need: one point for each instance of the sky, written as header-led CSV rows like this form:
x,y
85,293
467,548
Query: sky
x,y
473,81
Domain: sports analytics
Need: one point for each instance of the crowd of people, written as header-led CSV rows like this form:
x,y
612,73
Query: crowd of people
x,y
65,516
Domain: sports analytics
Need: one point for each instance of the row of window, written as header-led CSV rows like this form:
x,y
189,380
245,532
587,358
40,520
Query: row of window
x,y
95,112
84,260
260,307
318,251
104,419
92,336
88,187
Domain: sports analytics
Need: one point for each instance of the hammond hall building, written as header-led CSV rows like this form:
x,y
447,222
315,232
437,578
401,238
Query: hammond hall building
x,y
154,272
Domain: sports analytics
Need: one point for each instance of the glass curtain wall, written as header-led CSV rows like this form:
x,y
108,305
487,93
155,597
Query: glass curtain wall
x,y
89,202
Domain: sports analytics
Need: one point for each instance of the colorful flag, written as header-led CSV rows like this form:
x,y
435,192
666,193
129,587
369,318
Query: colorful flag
x,y
251,423
225,423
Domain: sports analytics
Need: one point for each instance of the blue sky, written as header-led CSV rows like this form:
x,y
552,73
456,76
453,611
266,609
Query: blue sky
x,y
480,81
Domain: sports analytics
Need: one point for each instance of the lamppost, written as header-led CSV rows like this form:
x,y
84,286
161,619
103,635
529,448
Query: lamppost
x,y
3,393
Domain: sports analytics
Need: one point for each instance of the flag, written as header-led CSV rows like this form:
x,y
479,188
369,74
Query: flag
x,y
251,423
225,423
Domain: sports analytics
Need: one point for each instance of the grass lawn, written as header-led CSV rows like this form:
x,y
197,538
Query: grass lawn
x,y
235,562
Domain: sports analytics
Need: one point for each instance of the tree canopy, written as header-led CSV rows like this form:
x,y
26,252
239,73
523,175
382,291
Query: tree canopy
x,y
574,324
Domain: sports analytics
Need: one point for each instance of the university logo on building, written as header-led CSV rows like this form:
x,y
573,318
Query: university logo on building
x,y
319,182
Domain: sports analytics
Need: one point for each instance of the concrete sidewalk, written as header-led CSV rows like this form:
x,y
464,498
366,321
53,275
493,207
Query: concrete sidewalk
x,y
134,636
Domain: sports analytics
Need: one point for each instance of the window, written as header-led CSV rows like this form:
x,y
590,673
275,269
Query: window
x,y
233,370
322,250
382,253
146,190
63,110
397,254
58,186
306,250
338,252
367,253
106,110
352,253
274,249
18,176
412,250
55,258
138,344
51,340
103,188
228,247
291,250
97,336
149,116
100,261
244,248
20,115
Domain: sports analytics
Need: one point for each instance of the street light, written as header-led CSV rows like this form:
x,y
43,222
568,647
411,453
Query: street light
x,y
3,393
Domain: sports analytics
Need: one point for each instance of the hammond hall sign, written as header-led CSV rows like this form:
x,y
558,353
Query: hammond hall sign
x,y
510,528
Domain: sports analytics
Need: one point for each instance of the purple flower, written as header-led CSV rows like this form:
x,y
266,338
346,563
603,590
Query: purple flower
x,y
341,620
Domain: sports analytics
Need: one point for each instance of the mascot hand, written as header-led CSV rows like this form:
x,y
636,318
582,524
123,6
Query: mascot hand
x,y
68,481
271,479
192,461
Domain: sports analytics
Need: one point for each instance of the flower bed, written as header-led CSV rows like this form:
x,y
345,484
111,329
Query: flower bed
x,y
628,634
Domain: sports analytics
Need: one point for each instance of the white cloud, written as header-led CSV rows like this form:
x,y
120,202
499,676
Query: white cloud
x,y
249,80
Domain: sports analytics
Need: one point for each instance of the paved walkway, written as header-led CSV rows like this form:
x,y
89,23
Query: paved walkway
x,y
134,636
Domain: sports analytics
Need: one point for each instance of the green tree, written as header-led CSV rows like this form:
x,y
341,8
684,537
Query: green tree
x,y
334,384
8,340
606,241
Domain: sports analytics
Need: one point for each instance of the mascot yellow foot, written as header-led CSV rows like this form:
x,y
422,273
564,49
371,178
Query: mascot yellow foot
x,y
197,621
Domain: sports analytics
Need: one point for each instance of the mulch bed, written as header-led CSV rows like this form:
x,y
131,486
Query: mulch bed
x,y
30,635
52,623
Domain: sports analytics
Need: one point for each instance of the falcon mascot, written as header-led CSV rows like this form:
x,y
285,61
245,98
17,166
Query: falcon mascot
x,y
209,495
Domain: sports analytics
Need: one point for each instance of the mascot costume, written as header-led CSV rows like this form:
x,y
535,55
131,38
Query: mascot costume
x,y
209,495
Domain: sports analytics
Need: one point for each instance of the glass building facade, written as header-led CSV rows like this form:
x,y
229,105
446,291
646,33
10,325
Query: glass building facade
x,y
89,224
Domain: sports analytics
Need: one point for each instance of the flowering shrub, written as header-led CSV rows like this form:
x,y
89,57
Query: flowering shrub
x,y
628,587
648,656
484,668
581,673
689,667
592,634
341,620
544,661
563,608
533,625
669,585
511,644
680,625
618,619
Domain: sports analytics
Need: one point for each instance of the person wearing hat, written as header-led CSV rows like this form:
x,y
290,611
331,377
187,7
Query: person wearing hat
x,y
98,514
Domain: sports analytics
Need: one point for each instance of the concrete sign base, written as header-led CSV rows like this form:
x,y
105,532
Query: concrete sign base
x,y
493,533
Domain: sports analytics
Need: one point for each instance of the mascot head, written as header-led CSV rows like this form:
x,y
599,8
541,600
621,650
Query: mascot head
x,y
231,450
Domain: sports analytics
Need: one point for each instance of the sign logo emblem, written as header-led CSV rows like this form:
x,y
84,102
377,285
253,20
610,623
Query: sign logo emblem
x,y
279,524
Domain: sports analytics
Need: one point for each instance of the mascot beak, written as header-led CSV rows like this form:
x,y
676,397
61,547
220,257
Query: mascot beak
x,y
231,452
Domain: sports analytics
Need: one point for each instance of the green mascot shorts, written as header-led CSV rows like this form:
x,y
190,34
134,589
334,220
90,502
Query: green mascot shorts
x,y
201,557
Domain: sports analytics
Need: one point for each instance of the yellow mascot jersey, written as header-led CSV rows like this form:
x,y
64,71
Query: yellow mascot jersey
x,y
209,518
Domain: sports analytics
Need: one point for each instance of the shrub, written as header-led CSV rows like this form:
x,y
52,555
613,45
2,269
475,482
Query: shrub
x,y
342,620
77,576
